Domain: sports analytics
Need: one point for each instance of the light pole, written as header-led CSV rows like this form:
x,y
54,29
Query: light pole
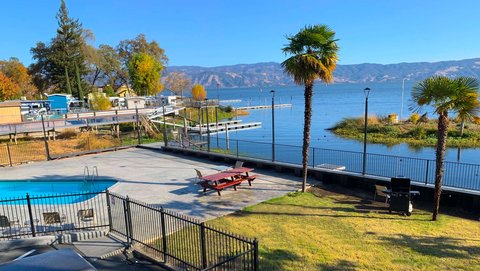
x,y
216,112
208,126
403,90
367,92
273,124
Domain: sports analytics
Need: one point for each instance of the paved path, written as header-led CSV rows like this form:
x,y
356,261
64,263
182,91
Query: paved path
x,y
162,179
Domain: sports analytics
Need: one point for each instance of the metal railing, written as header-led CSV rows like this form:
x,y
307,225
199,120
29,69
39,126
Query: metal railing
x,y
179,241
32,216
170,238
456,175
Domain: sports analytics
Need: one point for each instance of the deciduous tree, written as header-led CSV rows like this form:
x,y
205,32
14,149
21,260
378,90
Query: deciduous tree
x,y
8,88
177,82
145,74
198,92
15,70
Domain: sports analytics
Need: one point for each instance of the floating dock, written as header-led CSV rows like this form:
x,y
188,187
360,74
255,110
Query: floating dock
x,y
253,107
225,126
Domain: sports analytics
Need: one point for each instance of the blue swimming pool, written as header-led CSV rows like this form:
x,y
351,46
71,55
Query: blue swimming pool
x,y
15,189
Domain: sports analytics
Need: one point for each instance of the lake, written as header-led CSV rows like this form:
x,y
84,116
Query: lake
x,y
331,103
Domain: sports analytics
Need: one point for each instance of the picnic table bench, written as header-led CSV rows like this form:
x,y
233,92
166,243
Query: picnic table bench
x,y
228,178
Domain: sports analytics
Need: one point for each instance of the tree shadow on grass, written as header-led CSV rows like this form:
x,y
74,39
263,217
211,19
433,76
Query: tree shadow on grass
x,y
342,265
277,259
441,247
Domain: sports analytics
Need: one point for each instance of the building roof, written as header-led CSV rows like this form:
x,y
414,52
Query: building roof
x,y
10,104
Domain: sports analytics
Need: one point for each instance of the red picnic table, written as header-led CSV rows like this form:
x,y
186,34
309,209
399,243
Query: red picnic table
x,y
224,179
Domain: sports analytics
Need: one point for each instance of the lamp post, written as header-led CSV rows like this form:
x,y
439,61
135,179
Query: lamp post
x,y
216,112
208,126
403,90
367,92
273,124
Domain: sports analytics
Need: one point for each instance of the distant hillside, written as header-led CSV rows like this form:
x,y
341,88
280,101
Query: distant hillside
x,y
271,73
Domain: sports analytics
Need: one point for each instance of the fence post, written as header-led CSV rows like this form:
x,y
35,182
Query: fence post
x,y
9,154
203,246
127,218
139,133
313,156
255,254
32,225
164,234
47,151
426,173
109,210
130,224
237,147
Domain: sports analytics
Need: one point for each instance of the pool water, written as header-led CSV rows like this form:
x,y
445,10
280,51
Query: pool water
x,y
15,189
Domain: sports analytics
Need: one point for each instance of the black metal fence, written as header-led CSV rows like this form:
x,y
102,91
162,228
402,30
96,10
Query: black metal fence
x,y
457,175
179,241
173,239
32,216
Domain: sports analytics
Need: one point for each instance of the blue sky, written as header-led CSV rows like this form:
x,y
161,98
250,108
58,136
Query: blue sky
x,y
224,32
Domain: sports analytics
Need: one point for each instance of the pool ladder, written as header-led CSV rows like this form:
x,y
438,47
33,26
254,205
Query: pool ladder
x,y
87,176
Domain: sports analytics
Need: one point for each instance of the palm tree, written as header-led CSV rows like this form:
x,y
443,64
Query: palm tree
x,y
445,95
468,109
314,56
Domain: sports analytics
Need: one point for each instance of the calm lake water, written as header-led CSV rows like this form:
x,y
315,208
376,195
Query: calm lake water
x,y
331,104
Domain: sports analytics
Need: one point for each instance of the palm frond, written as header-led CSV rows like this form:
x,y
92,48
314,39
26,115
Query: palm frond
x,y
314,54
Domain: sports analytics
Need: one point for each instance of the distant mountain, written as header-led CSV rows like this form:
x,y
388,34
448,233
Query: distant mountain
x,y
271,73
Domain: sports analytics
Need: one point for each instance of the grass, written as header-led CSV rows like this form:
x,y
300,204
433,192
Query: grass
x,y
416,135
30,149
329,231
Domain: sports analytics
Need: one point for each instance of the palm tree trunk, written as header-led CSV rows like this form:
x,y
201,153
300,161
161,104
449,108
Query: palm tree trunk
x,y
440,157
306,131
462,127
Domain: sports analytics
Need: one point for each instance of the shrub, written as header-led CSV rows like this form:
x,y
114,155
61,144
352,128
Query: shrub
x,y
414,118
476,120
67,133
99,101
89,141
228,109
419,133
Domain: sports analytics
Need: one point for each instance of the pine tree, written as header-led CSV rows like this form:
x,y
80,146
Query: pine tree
x,y
60,61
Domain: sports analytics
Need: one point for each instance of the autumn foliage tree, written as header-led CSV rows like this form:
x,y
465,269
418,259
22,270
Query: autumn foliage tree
x,y
145,73
177,82
18,73
198,92
8,88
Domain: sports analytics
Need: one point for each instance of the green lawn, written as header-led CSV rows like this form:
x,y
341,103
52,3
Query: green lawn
x,y
328,231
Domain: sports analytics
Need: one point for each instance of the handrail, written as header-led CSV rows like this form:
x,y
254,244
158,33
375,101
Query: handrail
x,y
86,173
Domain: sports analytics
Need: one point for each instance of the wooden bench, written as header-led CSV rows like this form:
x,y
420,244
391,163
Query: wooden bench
x,y
222,185
250,179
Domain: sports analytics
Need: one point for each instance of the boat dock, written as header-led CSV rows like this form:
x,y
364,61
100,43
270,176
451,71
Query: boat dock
x,y
253,107
225,126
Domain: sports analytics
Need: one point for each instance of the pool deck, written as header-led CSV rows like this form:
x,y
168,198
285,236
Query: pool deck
x,y
162,179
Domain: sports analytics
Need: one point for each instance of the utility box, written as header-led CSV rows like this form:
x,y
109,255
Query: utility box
x,y
135,102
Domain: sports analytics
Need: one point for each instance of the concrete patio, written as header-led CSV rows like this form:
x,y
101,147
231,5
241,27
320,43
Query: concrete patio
x,y
162,179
